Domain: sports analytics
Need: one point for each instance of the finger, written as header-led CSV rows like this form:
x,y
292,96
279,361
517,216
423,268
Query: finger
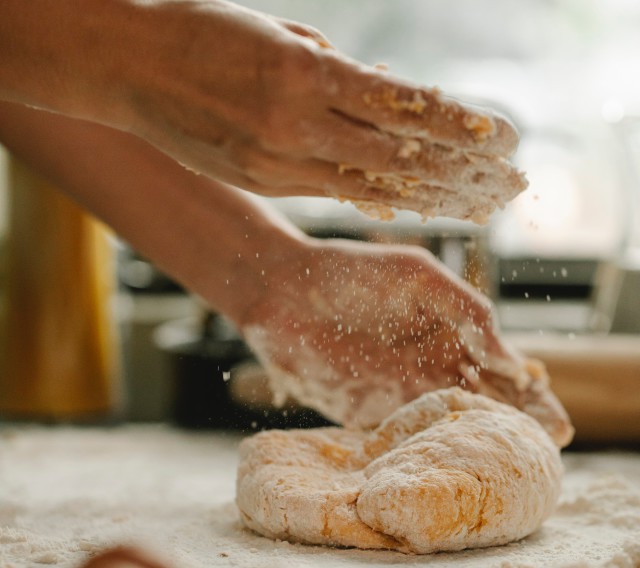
x,y
270,174
505,375
493,355
544,406
538,401
375,195
251,169
366,148
403,109
254,169
262,184
475,200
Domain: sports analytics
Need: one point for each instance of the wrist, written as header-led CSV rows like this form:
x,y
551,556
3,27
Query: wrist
x,y
272,254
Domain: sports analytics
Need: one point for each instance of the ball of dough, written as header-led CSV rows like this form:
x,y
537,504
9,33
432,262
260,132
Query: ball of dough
x,y
448,471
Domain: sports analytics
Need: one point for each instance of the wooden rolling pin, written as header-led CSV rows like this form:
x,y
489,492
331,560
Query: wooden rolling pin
x,y
597,378
60,356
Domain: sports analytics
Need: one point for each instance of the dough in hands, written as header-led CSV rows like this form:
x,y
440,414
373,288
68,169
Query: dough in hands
x,y
448,471
457,159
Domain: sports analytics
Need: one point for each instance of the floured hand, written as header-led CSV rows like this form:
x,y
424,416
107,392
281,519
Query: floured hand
x,y
259,102
356,330
267,105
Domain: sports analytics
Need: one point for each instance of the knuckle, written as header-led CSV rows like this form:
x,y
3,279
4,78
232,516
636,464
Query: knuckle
x,y
279,134
265,172
298,65
289,71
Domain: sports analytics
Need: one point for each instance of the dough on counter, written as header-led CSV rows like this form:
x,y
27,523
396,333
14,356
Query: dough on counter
x,y
448,471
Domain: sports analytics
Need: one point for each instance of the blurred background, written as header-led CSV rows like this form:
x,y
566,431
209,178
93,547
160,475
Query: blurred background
x,y
562,261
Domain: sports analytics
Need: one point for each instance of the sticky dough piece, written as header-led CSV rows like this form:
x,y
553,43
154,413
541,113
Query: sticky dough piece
x,y
448,471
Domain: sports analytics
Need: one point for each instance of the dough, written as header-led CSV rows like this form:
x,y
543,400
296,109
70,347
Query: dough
x,y
448,471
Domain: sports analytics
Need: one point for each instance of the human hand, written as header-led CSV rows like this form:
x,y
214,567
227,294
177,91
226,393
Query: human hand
x,y
355,330
266,105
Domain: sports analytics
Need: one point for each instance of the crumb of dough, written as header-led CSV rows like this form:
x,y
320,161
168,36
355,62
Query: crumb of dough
x,y
482,127
388,98
409,148
479,217
373,210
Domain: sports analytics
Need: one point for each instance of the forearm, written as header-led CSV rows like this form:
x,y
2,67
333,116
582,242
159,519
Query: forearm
x,y
127,63
70,56
215,239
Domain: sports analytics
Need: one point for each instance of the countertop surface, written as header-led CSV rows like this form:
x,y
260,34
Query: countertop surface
x,y
66,493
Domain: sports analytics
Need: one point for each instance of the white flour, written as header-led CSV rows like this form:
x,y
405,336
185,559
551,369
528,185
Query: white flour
x,y
66,493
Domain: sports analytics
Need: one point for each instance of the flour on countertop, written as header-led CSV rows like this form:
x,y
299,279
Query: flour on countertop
x,y
67,493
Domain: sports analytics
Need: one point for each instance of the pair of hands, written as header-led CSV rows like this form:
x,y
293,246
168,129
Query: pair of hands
x,y
353,330
267,105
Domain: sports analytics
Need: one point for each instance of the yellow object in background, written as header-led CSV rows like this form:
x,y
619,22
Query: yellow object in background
x,y
60,356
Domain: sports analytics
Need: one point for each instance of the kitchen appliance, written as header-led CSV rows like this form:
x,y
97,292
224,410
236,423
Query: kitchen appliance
x,y
216,382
